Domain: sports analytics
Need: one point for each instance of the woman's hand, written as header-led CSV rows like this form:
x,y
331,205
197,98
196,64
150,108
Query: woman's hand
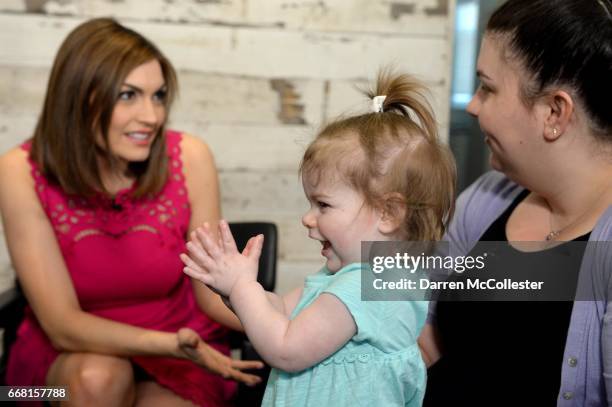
x,y
192,347
219,264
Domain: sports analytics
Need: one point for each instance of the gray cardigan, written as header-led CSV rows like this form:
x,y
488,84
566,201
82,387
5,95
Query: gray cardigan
x,y
586,374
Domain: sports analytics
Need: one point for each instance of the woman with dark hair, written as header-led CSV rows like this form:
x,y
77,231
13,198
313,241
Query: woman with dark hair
x,y
100,196
545,68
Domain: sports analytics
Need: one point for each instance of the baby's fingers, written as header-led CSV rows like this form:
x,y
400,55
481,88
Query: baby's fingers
x,y
254,245
210,246
187,261
193,238
247,248
227,239
206,228
199,256
203,277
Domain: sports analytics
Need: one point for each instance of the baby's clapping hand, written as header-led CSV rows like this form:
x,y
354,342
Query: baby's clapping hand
x,y
219,264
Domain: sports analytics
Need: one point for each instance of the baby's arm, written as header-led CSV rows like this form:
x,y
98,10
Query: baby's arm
x,y
292,345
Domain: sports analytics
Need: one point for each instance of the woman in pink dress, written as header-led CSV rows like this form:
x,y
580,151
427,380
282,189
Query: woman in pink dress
x,y
101,196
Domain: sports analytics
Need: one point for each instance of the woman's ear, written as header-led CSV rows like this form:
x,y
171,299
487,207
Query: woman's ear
x,y
560,106
393,213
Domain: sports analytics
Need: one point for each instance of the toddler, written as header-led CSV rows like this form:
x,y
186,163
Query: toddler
x,y
380,176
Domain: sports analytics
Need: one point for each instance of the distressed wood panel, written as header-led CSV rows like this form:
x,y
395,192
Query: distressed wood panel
x,y
334,56
230,12
22,90
411,17
15,129
291,274
184,11
255,148
7,278
417,17
13,6
252,192
296,245
7,275
244,51
248,100
29,40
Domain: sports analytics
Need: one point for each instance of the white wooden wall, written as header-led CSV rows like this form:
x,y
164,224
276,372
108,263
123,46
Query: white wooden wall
x,y
257,78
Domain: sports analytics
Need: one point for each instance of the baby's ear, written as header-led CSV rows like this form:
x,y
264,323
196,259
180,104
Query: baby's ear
x,y
393,213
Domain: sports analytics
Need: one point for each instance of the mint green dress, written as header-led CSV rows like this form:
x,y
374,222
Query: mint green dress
x,y
380,366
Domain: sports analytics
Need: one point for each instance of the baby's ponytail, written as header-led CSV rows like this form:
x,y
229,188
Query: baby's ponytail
x,y
405,95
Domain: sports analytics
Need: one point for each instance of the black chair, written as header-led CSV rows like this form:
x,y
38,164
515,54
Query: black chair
x,y
243,231
13,302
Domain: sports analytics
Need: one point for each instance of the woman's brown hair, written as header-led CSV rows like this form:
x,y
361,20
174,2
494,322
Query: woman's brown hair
x,y
393,157
85,82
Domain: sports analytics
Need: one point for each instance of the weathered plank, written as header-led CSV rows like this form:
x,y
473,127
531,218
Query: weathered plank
x,y
417,17
291,274
250,192
15,129
412,17
7,275
240,99
228,12
243,51
255,148
22,90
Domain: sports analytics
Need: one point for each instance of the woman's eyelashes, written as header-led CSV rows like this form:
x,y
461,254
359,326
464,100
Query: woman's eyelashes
x,y
130,94
160,95
127,95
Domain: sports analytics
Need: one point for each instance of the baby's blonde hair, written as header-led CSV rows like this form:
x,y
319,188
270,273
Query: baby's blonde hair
x,y
393,158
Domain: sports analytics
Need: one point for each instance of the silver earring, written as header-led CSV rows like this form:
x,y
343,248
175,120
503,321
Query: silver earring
x,y
555,131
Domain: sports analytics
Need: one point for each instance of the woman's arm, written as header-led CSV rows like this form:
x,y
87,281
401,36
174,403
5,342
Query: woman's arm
x,y
203,190
41,270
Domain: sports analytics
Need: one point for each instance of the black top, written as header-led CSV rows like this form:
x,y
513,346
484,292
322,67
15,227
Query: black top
x,y
501,353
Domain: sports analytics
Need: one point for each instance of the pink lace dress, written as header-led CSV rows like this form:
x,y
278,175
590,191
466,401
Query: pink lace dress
x,y
123,257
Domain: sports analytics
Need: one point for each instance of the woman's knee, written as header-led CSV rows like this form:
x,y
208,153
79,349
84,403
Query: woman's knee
x,y
96,379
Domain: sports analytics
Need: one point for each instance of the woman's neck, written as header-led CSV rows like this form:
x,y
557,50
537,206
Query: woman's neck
x,y
114,180
575,193
575,174
563,205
